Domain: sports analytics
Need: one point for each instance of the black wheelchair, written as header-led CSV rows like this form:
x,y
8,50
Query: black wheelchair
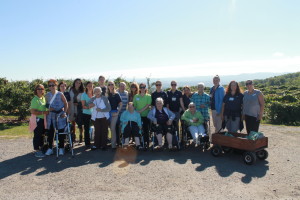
x,y
186,136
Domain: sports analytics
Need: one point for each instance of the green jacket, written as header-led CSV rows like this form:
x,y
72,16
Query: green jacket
x,y
188,116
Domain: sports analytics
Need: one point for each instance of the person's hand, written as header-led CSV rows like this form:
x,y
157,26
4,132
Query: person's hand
x,y
46,112
51,109
63,115
195,120
169,122
259,117
98,109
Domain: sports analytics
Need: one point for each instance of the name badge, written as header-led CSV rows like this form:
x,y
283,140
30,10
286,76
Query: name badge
x,y
173,98
231,99
253,95
137,99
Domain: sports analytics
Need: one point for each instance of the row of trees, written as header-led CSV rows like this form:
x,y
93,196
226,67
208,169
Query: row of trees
x,y
282,95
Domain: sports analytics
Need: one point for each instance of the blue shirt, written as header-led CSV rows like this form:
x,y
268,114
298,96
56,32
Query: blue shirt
x,y
86,98
198,100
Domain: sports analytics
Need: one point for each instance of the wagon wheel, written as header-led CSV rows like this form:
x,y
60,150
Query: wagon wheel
x,y
262,154
249,158
216,150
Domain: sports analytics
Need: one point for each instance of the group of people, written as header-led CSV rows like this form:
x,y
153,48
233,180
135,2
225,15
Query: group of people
x,y
133,112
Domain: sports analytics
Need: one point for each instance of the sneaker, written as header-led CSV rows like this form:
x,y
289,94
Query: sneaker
x,y
49,152
61,151
93,148
39,154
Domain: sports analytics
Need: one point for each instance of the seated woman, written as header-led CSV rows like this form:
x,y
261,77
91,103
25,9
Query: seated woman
x,y
131,126
162,118
194,120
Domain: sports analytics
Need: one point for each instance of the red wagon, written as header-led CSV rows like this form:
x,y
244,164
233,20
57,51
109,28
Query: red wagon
x,y
253,149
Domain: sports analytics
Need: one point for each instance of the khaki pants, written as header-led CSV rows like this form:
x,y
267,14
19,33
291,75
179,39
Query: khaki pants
x,y
217,120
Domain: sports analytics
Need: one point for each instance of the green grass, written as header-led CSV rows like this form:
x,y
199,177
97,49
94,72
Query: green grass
x,y
9,131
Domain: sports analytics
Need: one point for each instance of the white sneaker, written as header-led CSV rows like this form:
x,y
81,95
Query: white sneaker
x,y
49,152
61,151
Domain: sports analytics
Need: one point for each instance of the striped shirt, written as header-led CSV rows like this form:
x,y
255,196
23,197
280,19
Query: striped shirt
x,y
124,98
203,99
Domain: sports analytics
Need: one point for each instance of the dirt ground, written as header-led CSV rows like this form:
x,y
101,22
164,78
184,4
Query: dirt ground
x,y
187,174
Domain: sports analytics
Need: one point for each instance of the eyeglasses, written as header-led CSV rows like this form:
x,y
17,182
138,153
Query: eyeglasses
x,y
40,89
51,85
142,87
249,83
173,84
158,84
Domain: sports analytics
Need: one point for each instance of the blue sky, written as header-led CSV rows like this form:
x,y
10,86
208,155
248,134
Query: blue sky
x,y
157,38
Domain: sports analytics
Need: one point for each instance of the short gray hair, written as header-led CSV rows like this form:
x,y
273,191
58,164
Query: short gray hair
x,y
201,84
98,88
159,99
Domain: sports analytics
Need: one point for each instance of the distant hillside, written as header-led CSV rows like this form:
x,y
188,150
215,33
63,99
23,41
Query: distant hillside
x,y
207,80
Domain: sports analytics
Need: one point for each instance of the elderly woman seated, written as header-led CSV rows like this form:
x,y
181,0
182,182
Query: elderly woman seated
x,y
194,120
131,126
162,118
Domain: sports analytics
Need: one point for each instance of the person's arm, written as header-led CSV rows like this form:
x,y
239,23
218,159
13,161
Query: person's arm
x,y
144,108
107,105
37,112
152,117
222,112
63,98
185,116
171,117
262,106
182,104
123,118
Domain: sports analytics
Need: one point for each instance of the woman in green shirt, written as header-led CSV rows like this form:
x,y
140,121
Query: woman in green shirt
x,y
194,120
38,108
142,102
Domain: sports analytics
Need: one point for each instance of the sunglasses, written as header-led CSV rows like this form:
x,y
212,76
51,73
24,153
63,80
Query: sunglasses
x,y
158,84
250,83
133,86
173,84
51,85
40,89
142,87
110,84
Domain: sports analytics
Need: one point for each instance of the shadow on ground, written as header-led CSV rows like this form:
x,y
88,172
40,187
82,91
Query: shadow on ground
x,y
224,165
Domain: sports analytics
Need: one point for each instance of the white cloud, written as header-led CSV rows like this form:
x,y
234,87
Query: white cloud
x,y
278,54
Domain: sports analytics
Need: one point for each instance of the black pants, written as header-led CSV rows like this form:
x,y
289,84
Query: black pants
x,y
86,119
252,124
50,138
145,126
38,136
131,129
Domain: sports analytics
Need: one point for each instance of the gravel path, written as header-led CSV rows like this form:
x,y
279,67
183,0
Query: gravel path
x,y
188,174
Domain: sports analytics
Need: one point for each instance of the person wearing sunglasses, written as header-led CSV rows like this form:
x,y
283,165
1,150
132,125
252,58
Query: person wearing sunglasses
x,y
159,93
134,89
38,110
253,107
58,106
175,102
142,103
116,106
194,120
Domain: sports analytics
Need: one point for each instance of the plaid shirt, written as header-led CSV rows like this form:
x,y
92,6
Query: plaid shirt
x,y
199,100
